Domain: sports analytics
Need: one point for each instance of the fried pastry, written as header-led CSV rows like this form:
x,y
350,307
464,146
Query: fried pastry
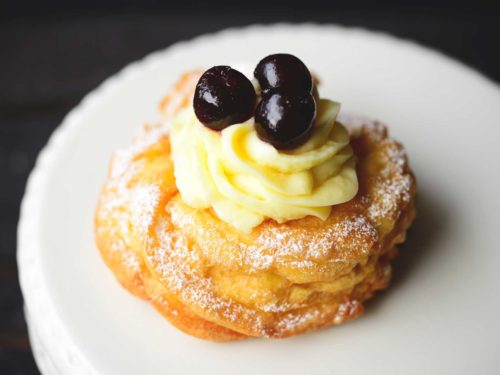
x,y
270,277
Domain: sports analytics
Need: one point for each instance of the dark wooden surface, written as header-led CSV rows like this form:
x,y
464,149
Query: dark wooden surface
x,y
49,59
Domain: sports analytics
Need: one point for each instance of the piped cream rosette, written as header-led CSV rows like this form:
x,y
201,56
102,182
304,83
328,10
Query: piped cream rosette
x,y
246,181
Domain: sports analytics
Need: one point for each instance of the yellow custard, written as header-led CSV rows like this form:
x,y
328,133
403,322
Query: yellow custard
x,y
246,181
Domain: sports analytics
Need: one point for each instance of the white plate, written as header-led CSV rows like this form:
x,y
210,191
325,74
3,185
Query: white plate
x,y
441,315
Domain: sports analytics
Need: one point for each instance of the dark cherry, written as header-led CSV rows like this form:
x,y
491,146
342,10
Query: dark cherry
x,y
223,96
283,71
283,120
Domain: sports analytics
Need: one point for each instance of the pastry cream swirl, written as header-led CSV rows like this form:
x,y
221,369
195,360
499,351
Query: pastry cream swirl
x,y
246,180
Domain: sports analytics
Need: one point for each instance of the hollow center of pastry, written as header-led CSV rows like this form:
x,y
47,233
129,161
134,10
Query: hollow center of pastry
x,y
246,181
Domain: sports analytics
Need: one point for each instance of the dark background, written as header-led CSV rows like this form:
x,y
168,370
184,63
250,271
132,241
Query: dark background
x,y
53,52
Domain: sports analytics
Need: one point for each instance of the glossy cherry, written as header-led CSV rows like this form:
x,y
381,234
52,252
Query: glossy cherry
x,y
223,96
283,120
283,71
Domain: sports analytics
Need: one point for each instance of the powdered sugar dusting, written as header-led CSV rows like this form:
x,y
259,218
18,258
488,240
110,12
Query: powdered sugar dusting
x,y
181,265
393,185
390,192
294,248
144,201
140,200
293,321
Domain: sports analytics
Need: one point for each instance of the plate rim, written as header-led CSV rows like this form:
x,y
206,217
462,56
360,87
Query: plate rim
x,y
35,291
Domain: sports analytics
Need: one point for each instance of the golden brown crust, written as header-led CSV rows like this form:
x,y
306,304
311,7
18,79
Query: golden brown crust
x,y
217,283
